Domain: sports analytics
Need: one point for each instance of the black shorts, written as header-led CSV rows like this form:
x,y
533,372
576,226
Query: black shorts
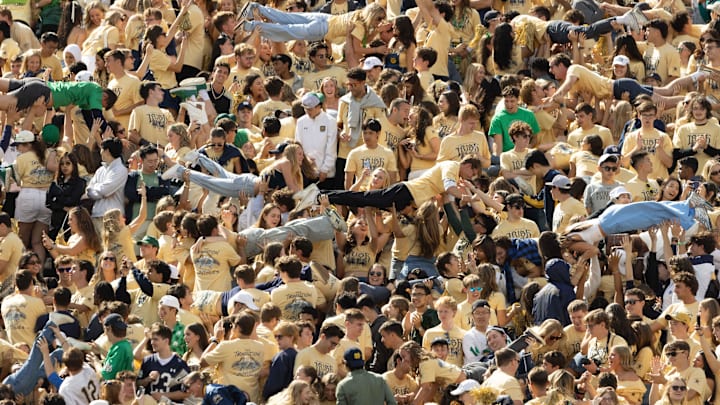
x,y
27,91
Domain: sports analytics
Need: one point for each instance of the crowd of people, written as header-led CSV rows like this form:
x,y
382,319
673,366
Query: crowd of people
x,y
351,202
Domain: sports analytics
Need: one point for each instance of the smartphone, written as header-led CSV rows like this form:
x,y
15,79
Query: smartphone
x,y
366,164
697,320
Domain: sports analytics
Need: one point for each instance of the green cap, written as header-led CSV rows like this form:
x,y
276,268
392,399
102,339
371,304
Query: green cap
x,y
224,115
149,240
51,134
241,137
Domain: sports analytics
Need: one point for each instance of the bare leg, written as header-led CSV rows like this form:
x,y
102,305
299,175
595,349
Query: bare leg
x,y
674,86
671,101
36,239
25,233
4,85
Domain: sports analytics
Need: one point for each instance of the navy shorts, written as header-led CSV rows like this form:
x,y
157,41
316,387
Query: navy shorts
x,y
27,91
630,86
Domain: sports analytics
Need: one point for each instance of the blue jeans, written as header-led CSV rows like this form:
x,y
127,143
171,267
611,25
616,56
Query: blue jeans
x,y
315,229
24,380
289,26
222,182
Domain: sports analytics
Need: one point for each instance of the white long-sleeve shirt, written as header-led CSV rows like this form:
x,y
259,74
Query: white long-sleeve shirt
x,y
318,138
107,187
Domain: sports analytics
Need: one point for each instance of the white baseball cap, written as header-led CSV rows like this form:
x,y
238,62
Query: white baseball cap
x,y
371,62
465,386
170,301
83,76
242,297
621,60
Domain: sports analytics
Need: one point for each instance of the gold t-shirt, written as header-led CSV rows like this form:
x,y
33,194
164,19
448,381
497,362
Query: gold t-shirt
x,y
31,172
576,137
151,123
212,266
649,139
363,157
240,362
456,147
291,297
590,81
310,356
431,183
455,339
687,135
127,90
20,312
159,63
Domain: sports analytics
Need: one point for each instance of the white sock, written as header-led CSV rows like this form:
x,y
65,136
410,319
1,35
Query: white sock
x,y
699,75
623,19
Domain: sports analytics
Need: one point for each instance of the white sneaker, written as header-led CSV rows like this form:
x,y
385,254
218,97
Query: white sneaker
x,y
60,319
307,197
174,172
338,223
191,157
84,346
196,111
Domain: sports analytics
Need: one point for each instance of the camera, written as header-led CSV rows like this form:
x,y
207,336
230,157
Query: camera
x,y
409,146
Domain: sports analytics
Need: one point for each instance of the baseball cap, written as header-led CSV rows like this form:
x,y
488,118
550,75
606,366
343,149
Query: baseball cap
x,y
560,181
148,240
654,76
83,76
605,157
440,341
310,100
245,105
371,62
465,386
353,358
243,297
241,137
231,117
618,191
170,301
680,316
490,15
50,134
612,150
280,148
174,272
23,136
621,60
479,304
115,320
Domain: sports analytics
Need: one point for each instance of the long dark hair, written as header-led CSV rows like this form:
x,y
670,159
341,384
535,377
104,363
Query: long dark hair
x,y
222,39
417,92
249,80
503,46
453,101
631,49
39,148
72,16
424,121
60,176
86,228
199,330
405,30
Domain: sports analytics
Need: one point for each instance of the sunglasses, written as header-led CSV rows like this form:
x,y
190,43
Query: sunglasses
x,y
715,173
673,353
278,337
33,262
609,168
217,145
64,269
678,388
631,302
554,338
375,274
108,258
475,289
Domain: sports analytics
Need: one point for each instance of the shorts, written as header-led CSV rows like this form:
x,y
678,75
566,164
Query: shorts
x,y
27,91
206,302
630,86
30,206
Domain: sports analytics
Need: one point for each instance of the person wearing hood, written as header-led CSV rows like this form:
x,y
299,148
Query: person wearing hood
x,y
553,299
71,55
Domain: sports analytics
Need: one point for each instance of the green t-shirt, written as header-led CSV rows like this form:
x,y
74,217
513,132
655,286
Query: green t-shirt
x,y
501,122
86,95
50,14
119,358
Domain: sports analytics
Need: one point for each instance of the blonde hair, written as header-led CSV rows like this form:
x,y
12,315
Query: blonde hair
x,y
448,302
624,355
370,13
93,5
286,328
708,168
182,131
26,57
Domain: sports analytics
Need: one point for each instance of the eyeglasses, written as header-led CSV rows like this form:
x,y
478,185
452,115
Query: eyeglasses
x,y
375,274
680,388
631,302
475,289
64,269
609,168
108,258
674,353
